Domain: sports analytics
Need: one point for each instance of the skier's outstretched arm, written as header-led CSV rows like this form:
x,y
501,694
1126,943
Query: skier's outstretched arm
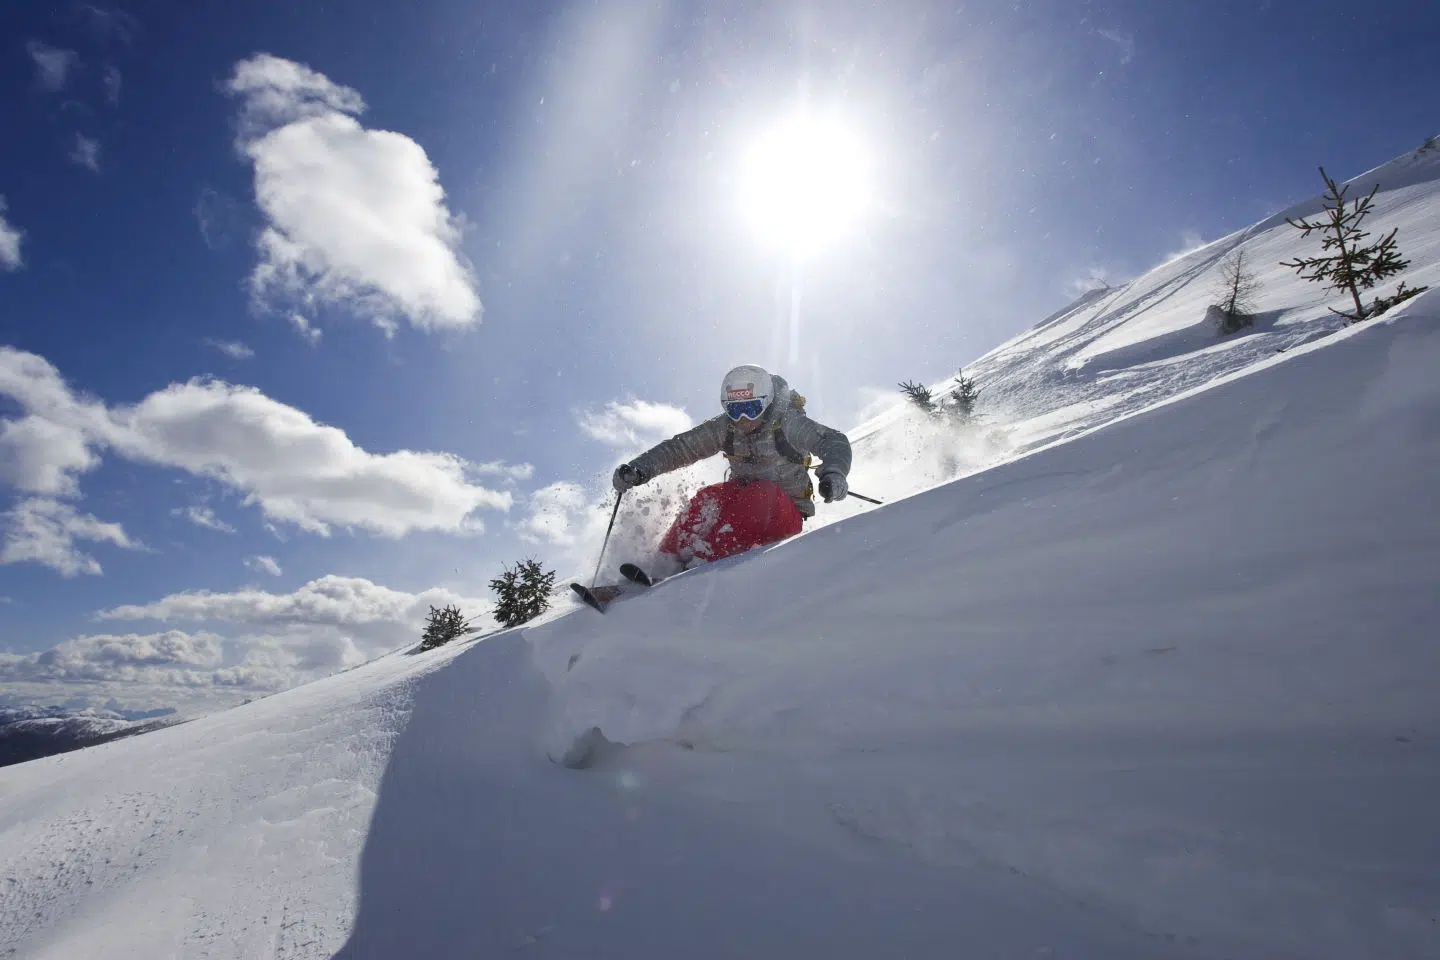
x,y
681,450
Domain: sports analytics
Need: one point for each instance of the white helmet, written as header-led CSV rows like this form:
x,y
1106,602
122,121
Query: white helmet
x,y
746,392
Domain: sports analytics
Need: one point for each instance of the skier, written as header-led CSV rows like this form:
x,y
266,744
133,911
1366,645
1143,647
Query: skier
x,y
769,442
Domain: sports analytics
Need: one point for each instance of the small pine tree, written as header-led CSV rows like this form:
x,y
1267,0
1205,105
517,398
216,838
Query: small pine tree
x,y
1237,290
963,398
524,592
918,395
442,626
1355,267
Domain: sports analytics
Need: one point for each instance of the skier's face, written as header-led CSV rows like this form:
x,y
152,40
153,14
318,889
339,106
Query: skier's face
x,y
747,426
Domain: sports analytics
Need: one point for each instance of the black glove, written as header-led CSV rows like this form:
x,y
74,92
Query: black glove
x,y
833,486
627,475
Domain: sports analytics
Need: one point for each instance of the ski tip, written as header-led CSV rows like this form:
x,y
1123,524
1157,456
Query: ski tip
x,y
585,594
634,574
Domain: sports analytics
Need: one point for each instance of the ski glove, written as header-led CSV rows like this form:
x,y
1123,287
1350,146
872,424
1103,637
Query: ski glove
x,y
627,475
833,486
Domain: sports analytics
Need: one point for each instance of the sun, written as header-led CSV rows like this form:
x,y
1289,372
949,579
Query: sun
x,y
805,183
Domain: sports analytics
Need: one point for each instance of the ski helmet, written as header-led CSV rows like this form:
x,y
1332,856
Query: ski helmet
x,y
746,392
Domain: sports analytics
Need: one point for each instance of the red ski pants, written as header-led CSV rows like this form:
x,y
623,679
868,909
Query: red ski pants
x,y
729,518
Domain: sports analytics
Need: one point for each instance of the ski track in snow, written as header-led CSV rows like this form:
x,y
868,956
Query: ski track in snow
x,y
1139,664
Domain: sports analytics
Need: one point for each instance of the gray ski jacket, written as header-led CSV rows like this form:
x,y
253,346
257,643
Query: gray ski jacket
x,y
754,455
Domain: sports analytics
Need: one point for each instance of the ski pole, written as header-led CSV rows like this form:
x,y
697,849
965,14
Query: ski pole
x,y
860,496
619,495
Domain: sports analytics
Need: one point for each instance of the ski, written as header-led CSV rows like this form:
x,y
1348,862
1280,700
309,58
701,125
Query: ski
x,y
597,598
634,574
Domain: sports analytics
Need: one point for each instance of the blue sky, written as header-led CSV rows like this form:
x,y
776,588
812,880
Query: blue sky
x,y
181,183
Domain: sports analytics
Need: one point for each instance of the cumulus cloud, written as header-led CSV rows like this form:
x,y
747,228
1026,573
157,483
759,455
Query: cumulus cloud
x,y
355,217
53,65
172,656
45,531
203,517
233,349
10,237
299,471
233,645
38,455
328,601
201,669
86,153
295,470
511,472
326,614
264,564
634,424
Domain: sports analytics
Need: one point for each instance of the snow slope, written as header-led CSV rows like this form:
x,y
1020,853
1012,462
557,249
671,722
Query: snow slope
x,y
1119,350
233,835
1158,684
1182,670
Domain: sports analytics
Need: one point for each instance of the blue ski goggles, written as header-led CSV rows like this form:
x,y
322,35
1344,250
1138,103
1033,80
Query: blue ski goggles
x,y
739,410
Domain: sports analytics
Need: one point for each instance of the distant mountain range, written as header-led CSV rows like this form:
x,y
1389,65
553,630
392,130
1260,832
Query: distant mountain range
x,y
29,733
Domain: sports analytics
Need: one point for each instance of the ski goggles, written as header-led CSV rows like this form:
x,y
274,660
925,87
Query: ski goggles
x,y
739,410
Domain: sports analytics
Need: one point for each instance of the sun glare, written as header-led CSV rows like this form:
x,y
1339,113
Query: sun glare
x,y
805,184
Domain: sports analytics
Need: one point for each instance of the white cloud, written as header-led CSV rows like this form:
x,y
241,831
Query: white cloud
x,y
351,612
52,65
86,153
308,331
44,531
203,517
327,601
233,349
204,669
45,450
10,237
41,456
251,641
169,657
296,470
355,217
264,564
557,515
510,472
299,471
633,425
